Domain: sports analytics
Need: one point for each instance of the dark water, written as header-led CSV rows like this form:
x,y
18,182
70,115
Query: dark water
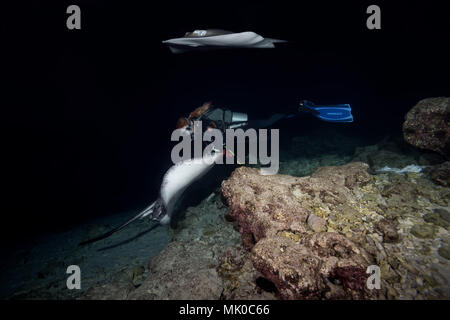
x,y
91,112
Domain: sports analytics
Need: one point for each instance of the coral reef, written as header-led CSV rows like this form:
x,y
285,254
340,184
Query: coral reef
x,y
394,221
301,269
313,237
240,278
280,237
440,173
275,211
427,125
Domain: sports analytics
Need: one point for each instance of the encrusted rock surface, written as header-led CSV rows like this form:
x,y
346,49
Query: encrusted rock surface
x,y
273,214
307,237
394,221
240,278
271,205
303,269
427,125
316,224
440,173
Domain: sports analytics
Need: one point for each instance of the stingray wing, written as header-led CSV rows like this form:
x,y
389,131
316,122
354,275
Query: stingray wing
x,y
182,175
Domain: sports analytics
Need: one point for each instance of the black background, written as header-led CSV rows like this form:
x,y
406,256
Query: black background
x,y
87,114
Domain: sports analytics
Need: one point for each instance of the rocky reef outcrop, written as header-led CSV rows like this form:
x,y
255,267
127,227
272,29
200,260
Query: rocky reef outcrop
x,y
312,237
388,220
427,125
310,267
440,173
273,214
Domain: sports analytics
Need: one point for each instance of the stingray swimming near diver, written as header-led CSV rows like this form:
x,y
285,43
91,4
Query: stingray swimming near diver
x,y
175,181
182,174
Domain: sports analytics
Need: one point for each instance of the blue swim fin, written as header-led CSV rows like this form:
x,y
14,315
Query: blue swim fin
x,y
333,113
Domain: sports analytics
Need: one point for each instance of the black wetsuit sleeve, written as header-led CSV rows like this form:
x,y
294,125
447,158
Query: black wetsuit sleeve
x,y
218,116
264,123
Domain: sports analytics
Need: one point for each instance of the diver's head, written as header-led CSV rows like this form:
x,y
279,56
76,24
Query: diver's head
x,y
185,125
182,123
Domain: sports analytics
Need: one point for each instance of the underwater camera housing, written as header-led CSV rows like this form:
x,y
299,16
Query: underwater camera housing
x,y
238,119
225,118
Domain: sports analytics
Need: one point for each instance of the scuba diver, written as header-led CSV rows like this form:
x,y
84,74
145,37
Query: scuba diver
x,y
223,119
182,174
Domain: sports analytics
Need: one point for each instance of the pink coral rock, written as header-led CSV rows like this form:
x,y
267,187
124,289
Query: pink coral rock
x,y
426,125
287,241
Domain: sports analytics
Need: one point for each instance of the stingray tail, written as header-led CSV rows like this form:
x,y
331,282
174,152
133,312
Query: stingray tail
x,y
147,211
